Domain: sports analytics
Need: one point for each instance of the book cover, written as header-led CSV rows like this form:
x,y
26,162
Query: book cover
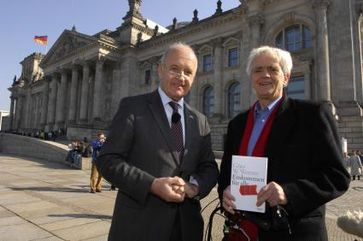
x,y
248,176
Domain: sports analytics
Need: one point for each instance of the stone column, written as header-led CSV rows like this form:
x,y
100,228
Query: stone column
x,y
11,118
218,78
61,96
154,73
84,92
34,110
116,88
26,110
73,98
322,48
43,120
52,99
18,112
255,23
97,91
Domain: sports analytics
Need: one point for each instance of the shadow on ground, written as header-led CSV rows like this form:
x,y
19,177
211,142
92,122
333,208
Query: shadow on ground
x,y
82,215
49,189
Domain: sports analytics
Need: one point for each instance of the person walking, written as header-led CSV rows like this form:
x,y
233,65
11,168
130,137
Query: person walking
x,y
96,177
355,164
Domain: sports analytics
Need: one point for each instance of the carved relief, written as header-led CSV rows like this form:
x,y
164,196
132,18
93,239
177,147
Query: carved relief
x,y
68,45
290,17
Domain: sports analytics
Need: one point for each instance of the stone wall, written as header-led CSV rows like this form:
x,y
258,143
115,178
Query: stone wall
x,y
218,133
37,148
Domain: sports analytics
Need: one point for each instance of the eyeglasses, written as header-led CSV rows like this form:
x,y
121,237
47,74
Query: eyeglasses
x,y
176,72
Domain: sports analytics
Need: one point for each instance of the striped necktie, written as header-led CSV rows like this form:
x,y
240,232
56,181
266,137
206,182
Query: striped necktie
x,y
177,130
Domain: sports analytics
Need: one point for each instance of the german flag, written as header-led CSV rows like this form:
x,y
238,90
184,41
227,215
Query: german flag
x,y
43,40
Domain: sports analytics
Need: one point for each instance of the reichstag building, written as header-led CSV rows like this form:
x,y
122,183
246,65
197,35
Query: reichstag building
x,y
77,85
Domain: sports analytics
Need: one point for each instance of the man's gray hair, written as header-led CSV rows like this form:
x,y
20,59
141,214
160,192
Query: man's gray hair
x,y
282,56
173,46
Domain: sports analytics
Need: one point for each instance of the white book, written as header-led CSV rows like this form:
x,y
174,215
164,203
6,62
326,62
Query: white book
x,y
248,176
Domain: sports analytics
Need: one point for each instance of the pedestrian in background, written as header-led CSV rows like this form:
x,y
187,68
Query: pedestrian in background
x,y
96,177
355,164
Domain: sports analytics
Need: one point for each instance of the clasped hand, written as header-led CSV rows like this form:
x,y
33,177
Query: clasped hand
x,y
173,189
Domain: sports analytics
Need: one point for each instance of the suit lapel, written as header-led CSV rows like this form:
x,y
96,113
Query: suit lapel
x,y
285,120
190,129
158,113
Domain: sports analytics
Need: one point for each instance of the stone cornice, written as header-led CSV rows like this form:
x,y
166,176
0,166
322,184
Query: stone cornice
x,y
190,30
269,2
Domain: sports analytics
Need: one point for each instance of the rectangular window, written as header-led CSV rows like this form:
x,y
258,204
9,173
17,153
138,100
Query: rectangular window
x,y
232,57
296,87
293,38
147,79
207,62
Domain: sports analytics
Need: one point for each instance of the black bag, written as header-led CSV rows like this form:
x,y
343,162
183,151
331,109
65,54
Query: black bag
x,y
276,218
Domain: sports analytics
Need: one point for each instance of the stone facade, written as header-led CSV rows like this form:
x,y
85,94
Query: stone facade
x,y
4,120
82,78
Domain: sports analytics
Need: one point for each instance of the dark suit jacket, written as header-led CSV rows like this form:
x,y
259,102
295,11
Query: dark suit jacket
x,y
305,158
139,149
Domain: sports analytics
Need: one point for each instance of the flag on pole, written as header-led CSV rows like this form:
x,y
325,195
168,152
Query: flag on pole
x,y
43,40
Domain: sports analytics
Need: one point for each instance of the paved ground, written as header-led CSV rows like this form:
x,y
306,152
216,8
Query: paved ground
x,y
45,201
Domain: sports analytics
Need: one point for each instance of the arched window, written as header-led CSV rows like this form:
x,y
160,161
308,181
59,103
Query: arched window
x,y
296,87
294,38
208,101
234,93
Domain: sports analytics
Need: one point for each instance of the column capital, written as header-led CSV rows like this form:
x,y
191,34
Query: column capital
x,y
63,69
256,20
321,4
75,67
217,42
101,59
77,61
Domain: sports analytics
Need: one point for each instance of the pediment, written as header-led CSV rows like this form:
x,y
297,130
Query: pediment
x,y
67,43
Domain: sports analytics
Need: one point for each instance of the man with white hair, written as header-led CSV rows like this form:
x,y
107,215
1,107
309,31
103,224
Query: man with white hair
x,y
305,162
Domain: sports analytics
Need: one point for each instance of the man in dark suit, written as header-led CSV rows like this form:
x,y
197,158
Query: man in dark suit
x,y
159,156
300,140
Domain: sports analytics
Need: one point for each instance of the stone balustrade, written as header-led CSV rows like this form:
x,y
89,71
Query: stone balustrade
x,y
37,148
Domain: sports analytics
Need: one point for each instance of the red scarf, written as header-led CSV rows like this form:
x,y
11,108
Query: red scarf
x,y
259,150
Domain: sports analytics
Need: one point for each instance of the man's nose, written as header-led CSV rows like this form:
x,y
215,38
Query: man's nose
x,y
266,72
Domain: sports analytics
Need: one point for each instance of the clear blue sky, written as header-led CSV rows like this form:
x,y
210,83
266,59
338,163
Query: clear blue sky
x,y
21,20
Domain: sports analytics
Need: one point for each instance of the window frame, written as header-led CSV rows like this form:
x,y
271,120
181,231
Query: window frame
x,y
294,38
208,102
231,104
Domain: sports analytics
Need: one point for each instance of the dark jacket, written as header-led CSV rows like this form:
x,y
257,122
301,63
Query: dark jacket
x,y
305,158
139,149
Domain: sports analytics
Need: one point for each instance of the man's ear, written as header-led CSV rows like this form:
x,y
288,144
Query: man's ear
x,y
286,79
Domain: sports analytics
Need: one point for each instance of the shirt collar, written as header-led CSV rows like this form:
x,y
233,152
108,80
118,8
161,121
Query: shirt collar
x,y
269,107
166,99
